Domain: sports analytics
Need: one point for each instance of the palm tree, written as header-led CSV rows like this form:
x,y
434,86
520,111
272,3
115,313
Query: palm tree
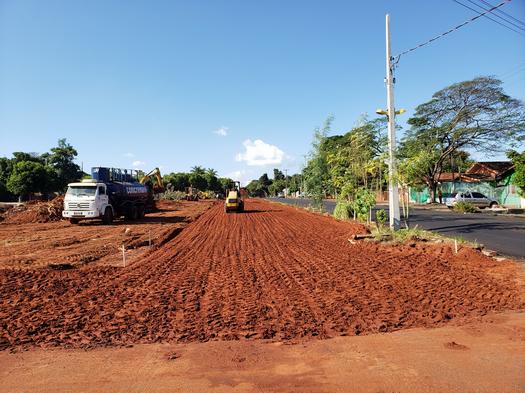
x,y
198,170
210,172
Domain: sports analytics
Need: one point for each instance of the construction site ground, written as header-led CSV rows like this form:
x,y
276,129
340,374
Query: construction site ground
x,y
273,299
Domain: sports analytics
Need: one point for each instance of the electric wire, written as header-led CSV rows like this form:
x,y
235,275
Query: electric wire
x,y
504,13
488,17
496,15
396,58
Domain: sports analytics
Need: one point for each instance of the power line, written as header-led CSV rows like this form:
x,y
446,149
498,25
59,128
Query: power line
x,y
449,31
488,17
517,68
504,13
496,15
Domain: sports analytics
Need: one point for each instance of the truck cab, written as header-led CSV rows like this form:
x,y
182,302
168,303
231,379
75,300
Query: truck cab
x,y
86,200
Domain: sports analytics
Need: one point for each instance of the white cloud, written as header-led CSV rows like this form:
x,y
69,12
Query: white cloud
x,y
138,164
223,131
259,153
129,155
244,176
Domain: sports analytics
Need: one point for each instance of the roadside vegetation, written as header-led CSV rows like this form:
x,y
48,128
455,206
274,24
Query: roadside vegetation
x,y
26,174
200,178
465,207
473,115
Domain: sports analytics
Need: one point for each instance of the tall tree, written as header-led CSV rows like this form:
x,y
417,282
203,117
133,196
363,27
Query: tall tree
x,y
316,175
474,114
61,160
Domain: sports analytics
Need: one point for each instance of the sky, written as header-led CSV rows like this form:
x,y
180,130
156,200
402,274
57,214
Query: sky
x,y
238,86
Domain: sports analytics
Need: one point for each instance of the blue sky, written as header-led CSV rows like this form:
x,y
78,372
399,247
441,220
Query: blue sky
x,y
238,86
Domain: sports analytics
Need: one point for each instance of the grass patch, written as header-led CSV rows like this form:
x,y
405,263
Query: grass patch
x,y
403,236
465,207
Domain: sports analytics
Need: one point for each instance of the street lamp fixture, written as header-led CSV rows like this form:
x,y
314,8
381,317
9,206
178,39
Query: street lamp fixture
x,y
384,112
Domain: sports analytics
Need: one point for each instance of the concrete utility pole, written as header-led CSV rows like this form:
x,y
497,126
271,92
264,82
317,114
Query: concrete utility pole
x,y
393,193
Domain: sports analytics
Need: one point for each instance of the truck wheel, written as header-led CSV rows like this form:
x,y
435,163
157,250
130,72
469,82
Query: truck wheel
x,y
493,205
107,218
134,214
141,212
73,221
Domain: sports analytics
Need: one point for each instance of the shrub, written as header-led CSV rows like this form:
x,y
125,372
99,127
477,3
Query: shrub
x,y
343,210
381,217
173,195
363,201
465,207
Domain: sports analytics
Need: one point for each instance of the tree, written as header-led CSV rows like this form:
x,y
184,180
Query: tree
x,y
225,182
198,170
277,174
518,179
179,181
61,160
198,181
358,156
28,177
473,114
316,175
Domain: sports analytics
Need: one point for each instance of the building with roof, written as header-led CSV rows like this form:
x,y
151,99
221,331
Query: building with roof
x,y
492,178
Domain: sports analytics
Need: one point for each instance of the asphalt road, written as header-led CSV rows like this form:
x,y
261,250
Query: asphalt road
x,y
504,234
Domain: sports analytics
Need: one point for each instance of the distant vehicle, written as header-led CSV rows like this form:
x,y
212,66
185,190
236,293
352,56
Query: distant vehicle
x,y
280,195
475,198
235,198
109,194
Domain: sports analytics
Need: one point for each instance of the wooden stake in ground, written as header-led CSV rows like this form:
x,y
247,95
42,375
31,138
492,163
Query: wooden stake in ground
x,y
124,254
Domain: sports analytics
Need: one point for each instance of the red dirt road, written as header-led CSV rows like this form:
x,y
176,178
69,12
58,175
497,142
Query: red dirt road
x,y
273,272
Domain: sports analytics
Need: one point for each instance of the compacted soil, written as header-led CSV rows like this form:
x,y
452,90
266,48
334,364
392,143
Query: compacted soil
x,y
27,244
274,273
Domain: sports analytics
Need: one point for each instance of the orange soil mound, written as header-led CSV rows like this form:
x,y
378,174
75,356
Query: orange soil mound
x,y
273,272
35,212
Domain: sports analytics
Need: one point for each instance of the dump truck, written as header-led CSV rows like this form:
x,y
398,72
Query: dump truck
x,y
234,198
110,193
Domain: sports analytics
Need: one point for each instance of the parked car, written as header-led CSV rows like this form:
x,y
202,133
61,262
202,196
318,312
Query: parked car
x,y
475,198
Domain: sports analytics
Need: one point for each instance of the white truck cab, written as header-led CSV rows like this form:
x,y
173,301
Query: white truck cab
x,y
85,200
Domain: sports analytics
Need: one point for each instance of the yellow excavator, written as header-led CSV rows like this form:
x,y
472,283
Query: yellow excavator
x,y
156,180
153,182
234,198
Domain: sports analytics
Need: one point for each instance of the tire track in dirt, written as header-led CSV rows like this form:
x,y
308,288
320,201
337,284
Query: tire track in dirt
x,y
273,272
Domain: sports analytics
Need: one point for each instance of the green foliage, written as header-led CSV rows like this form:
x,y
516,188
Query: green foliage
x,y
465,207
316,175
178,181
200,178
173,195
28,173
61,160
28,177
343,210
363,201
474,114
381,217
357,157
518,179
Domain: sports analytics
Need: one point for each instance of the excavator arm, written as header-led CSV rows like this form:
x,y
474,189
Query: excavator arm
x,y
156,179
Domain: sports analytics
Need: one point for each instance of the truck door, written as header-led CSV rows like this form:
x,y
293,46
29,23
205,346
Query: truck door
x,y
102,198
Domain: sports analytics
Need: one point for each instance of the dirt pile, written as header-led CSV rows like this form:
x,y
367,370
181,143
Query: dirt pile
x,y
35,212
273,272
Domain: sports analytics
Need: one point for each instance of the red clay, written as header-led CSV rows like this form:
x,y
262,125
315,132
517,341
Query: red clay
x,y
273,272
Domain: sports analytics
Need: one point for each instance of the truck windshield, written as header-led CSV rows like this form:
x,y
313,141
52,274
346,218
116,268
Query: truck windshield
x,y
82,190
